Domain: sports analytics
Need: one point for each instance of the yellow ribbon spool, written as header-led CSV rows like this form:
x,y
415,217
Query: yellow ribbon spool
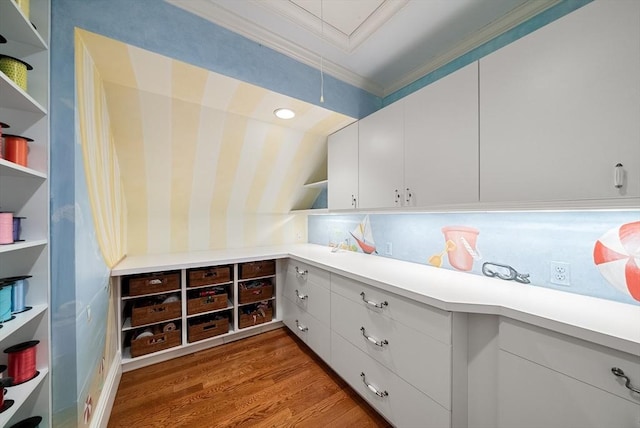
x,y
15,70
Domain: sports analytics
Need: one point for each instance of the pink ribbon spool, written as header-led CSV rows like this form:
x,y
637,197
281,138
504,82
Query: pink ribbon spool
x,y
6,228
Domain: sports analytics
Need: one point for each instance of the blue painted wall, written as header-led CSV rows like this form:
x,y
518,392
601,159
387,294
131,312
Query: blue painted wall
x,y
79,277
527,241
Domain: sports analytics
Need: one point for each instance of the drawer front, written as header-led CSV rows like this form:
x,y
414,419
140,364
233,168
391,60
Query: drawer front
x,y
312,332
426,319
309,296
533,396
209,276
304,273
419,359
579,359
404,406
257,269
154,283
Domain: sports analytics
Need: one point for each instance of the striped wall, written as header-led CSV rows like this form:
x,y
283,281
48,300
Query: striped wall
x,y
204,163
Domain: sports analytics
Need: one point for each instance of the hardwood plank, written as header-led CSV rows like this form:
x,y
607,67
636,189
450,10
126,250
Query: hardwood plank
x,y
268,380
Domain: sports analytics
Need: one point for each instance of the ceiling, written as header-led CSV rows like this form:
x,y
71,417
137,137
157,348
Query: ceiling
x,y
378,45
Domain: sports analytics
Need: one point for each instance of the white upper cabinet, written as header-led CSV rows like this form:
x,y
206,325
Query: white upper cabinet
x,y
343,168
381,158
560,108
441,141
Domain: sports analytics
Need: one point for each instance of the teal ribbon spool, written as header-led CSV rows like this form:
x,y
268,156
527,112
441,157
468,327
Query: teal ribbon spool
x,y
17,297
5,303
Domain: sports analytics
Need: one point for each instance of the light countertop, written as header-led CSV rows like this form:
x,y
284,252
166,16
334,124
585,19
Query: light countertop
x,y
612,324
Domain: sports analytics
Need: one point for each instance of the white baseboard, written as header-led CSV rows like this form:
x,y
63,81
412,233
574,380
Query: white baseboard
x,y
107,397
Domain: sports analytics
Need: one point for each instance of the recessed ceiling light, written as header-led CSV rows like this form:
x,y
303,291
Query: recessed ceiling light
x,y
284,113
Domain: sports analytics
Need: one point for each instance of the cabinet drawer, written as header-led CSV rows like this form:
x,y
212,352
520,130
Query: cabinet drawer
x,y
403,406
533,396
257,269
153,283
309,296
585,361
209,276
426,319
304,274
312,332
419,359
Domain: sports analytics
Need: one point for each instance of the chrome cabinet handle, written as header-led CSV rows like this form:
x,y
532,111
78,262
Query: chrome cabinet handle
x,y
374,304
380,343
301,296
301,273
353,201
301,327
618,372
373,388
408,196
618,176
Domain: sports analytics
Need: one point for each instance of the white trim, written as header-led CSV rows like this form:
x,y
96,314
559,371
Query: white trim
x,y
101,416
261,35
517,16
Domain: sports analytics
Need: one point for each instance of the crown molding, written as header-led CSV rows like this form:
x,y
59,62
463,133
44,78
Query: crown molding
x,y
517,16
239,25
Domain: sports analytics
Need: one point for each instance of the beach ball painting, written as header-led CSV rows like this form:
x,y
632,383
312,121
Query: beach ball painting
x,y
617,256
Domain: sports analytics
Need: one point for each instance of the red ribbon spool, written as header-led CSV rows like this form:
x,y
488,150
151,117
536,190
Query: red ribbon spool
x,y
22,361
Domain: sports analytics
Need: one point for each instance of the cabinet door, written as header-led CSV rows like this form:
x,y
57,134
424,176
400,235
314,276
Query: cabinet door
x,y
343,168
559,109
534,396
441,141
381,161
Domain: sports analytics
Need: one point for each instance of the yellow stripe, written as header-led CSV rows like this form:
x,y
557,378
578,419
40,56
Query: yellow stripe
x,y
245,99
185,122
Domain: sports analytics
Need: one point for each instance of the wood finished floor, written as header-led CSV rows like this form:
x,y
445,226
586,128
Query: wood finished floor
x,y
268,380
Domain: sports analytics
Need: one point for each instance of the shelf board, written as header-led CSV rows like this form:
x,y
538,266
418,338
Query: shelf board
x,y
13,97
16,26
127,323
257,301
10,169
160,293
222,284
21,246
256,278
20,394
199,314
317,184
10,327
310,211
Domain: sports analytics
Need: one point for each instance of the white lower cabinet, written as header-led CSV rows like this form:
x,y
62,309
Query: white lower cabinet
x,y
398,401
311,331
547,379
419,359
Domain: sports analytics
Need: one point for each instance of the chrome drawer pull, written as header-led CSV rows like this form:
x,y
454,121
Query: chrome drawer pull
x,y
374,304
301,273
618,372
301,296
372,340
373,388
301,327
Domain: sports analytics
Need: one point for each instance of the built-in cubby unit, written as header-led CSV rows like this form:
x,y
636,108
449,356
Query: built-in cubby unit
x,y
24,195
167,313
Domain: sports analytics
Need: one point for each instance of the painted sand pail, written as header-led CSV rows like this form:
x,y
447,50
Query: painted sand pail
x,y
465,239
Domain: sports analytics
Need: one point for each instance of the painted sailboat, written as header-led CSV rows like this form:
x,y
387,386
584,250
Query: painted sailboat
x,y
364,237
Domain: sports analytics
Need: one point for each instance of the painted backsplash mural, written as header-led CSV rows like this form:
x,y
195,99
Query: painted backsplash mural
x,y
594,253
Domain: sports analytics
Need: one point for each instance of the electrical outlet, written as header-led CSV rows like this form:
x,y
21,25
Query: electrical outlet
x,y
560,273
389,249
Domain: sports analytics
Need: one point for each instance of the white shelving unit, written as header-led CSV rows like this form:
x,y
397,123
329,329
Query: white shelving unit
x,y
233,310
25,192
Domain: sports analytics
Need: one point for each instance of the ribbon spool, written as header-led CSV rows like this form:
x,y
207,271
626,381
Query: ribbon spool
x,y
32,422
22,361
17,228
5,404
5,303
6,228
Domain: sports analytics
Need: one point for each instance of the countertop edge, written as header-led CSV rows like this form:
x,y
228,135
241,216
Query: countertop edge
x,y
568,313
